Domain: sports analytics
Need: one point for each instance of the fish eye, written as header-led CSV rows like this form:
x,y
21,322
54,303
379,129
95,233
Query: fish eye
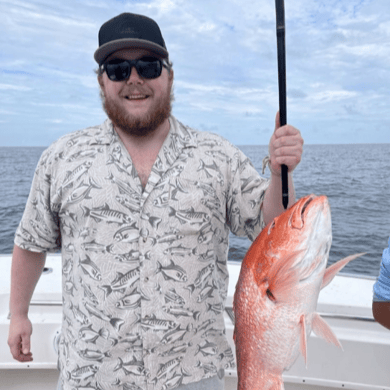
x,y
270,295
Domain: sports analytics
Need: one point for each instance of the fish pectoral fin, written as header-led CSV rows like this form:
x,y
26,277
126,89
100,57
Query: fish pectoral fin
x,y
323,330
303,339
331,271
282,278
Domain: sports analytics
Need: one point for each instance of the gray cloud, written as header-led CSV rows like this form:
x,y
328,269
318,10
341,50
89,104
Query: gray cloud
x,y
224,60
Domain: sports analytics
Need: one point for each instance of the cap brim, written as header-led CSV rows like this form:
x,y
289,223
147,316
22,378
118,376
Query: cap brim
x,y
107,49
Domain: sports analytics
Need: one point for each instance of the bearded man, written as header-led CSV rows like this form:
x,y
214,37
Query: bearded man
x,y
158,200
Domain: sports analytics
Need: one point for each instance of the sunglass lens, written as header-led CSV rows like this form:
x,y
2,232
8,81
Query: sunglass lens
x,y
149,68
118,71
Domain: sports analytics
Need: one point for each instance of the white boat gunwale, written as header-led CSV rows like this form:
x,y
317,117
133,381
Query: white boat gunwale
x,y
349,316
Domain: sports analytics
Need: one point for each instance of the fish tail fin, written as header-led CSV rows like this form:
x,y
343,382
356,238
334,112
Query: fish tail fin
x,y
104,333
116,323
110,177
154,221
154,380
113,341
323,330
93,183
86,211
331,271
119,365
172,212
303,339
111,160
110,249
282,277
107,290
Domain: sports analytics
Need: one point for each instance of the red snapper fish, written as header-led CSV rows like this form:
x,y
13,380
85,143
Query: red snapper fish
x,y
277,292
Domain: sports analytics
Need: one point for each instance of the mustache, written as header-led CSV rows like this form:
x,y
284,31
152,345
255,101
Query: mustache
x,y
134,91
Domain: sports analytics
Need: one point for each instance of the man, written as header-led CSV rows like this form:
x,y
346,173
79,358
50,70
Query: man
x,y
141,208
381,300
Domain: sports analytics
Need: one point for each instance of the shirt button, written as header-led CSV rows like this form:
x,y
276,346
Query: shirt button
x,y
146,279
144,233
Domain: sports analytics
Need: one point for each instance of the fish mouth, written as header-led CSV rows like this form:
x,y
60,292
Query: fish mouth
x,y
306,204
297,218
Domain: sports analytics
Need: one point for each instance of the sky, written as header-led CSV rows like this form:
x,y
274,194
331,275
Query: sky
x,y
225,64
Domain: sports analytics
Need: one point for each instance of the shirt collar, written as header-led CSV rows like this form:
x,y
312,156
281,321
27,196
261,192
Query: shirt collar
x,y
106,134
181,136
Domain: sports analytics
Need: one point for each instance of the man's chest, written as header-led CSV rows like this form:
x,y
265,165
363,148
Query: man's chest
x,y
143,166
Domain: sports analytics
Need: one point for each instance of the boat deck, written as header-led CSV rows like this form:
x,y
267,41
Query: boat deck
x,y
345,304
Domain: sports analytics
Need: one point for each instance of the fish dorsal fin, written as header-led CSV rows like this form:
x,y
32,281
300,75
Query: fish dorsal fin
x,y
282,277
331,271
303,339
323,330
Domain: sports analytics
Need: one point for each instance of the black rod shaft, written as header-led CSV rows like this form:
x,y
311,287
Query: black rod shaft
x,y
280,35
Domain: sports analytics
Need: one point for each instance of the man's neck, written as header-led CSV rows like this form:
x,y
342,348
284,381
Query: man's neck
x,y
157,137
144,150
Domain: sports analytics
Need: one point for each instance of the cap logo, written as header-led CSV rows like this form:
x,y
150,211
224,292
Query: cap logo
x,y
128,30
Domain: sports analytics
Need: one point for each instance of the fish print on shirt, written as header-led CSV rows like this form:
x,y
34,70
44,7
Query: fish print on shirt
x,y
144,270
82,192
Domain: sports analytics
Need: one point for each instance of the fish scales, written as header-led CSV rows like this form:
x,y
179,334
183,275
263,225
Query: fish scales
x,y
277,292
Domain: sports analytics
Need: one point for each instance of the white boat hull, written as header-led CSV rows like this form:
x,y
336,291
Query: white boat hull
x,y
346,304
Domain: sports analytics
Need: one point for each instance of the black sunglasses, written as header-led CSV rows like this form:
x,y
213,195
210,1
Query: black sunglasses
x,y
120,69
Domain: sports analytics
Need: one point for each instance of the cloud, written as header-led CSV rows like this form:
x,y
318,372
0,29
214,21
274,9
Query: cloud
x,y
55,121
8,87
296,93
225,63
6,112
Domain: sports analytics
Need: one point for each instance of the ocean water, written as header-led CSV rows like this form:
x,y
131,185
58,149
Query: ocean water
x,y
355,178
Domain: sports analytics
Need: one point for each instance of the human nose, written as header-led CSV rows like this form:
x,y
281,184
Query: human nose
x,y
134,77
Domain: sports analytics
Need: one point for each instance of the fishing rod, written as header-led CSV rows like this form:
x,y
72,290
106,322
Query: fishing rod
x,y
280,34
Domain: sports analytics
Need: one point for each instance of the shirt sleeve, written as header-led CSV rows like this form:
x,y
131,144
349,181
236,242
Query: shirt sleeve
x,y
39,229
382,285
245,198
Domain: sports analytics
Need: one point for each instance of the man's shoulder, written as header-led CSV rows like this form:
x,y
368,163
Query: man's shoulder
x,y
205,138
74,142
81,138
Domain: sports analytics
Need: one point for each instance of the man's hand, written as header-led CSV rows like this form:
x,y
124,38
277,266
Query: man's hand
x,y
381,313
20,331
285,147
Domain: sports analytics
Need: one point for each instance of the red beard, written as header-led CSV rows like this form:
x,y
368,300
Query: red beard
x,y
138,126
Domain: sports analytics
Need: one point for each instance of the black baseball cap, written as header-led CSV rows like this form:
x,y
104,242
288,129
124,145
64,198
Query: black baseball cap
x,y
129,30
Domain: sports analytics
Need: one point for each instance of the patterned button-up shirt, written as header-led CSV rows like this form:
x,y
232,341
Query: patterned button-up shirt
x,y
144,270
